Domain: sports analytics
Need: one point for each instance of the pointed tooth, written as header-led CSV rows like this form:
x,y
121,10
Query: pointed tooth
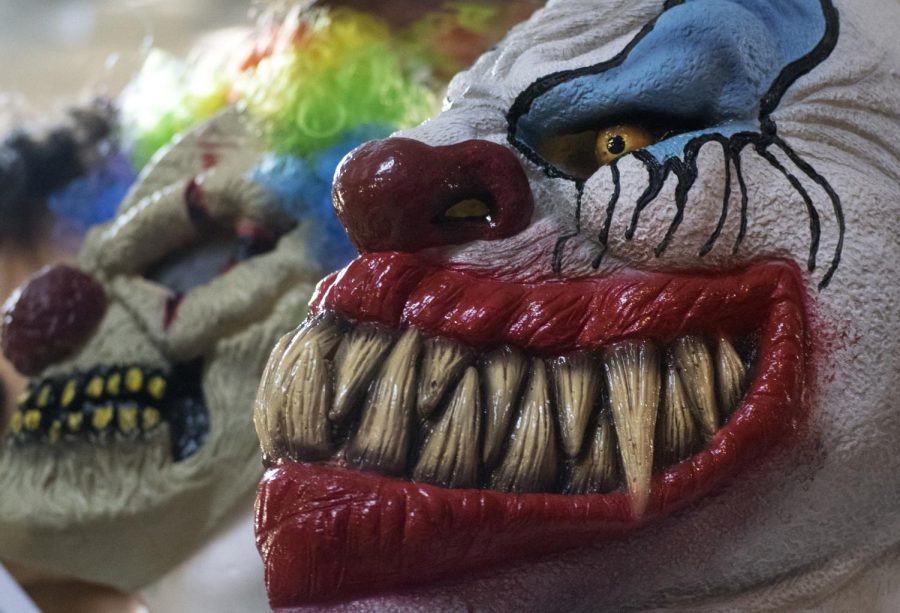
x,y
269,403
632,370
307,429
677,433
356,363
382,439
443,362
598,471
530,464
324,332
502,374
694,366
450,455
731,376
577,380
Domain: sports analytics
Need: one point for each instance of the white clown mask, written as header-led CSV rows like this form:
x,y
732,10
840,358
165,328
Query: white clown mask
x,y
622,333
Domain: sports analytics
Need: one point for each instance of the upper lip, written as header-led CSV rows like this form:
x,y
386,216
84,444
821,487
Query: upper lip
x,y
327,532
548,318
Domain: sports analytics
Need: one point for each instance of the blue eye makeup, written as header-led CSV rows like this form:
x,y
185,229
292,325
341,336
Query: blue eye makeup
x,y
703,71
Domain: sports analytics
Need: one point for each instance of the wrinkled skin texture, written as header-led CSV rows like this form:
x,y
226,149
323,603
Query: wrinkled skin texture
x,y
123,512
818,512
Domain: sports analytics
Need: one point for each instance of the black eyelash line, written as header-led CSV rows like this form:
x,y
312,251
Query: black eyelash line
x,y
686,169
559,248
814,226
822,182
726,199
735,156
610,210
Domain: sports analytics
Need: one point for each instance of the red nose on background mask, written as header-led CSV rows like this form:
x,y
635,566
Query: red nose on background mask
x,y
400,194
50,317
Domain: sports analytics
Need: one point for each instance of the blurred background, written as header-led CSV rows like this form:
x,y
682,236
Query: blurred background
x,y
56,53
67,157
71,143
55,50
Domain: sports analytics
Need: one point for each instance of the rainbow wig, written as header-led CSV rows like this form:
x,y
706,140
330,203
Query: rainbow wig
x,y
317,83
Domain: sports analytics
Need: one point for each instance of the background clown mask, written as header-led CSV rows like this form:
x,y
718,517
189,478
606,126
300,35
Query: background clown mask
x,y
133,442
647,252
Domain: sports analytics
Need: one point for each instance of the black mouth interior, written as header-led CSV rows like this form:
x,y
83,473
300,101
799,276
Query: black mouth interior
x,y
108,403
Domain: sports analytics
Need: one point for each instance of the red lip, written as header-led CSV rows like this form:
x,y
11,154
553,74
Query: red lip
x,y
327,533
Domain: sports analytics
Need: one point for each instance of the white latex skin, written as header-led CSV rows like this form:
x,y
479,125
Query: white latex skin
x,y
821,514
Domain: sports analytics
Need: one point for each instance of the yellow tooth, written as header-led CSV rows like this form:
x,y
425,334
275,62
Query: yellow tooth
x,y
94,388
325,332
577,380
22,400
531,462
32,419
15,423
268,408
503,372
632,371
694,365
731,376
677,433
597,471
450,454
308,399
443,362
151,417
356,364
102,417
114,384
68,393
134,379
382,440
156,387
74,421
43,398
55,431
127,418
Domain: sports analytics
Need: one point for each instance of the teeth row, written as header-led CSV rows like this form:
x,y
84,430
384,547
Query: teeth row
x,y
125,418
107,385
124,400
433,410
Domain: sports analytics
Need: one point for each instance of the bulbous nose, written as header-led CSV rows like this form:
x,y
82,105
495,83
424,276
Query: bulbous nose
x,y
400,194
50,316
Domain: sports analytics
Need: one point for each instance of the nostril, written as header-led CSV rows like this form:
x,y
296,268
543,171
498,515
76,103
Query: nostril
x,y
50,316
400,194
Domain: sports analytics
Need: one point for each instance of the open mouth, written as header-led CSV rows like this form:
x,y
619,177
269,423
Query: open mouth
x,y
426,422
114,403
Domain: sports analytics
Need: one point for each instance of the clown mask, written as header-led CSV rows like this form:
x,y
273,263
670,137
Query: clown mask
x,y
623,329
133,443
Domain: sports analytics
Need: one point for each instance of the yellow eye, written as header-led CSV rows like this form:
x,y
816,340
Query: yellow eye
x,y
581,154
616,141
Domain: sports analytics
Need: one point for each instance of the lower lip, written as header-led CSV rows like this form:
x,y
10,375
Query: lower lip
x,y
327,533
